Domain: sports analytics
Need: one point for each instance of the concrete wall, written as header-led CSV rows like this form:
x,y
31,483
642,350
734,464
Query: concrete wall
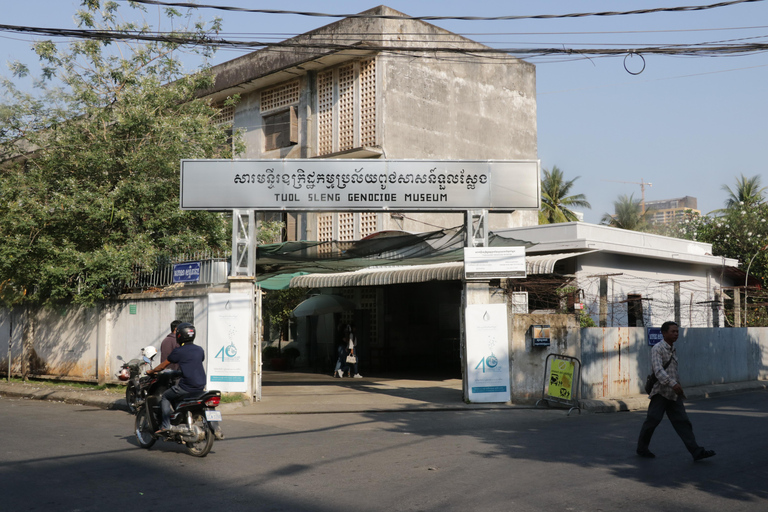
x,y
526,362
90,344
616,360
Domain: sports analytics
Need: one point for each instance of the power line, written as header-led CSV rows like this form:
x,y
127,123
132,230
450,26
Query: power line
x,y
696,49
459,18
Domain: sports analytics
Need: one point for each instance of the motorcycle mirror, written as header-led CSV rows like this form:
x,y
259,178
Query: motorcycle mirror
x,y
119,358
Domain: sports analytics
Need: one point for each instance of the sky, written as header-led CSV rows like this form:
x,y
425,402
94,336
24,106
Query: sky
x,y
684,126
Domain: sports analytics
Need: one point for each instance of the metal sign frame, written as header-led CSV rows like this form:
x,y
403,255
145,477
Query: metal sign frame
x,y
573,403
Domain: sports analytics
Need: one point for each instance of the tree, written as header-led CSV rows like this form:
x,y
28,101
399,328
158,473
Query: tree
x,y
747,191
90,182
629,215
739,232
556,204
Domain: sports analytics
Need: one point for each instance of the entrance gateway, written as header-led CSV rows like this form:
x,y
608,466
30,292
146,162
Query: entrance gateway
x,y
296,185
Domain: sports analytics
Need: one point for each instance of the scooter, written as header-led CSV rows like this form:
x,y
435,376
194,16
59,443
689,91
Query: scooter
x,y
190,419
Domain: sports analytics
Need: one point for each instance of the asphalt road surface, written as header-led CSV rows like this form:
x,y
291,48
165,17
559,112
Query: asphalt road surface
x,y
60,457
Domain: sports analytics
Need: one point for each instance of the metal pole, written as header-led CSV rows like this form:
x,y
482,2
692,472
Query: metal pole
x,y
10,340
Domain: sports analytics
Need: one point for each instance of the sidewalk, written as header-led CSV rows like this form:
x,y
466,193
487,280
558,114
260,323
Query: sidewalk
x,y
305,393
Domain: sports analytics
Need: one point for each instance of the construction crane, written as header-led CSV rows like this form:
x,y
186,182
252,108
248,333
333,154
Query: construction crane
x,y
642,184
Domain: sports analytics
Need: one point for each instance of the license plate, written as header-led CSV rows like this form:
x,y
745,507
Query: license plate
x,y
213,415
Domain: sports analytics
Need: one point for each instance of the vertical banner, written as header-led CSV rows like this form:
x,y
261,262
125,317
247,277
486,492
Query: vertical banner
x,y
229,335
561,379
487,353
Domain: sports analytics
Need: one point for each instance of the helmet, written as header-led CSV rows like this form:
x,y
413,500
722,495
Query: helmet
x,y
149,352
185,333
124,374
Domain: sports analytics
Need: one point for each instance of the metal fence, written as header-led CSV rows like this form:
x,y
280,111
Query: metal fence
x,y
214,269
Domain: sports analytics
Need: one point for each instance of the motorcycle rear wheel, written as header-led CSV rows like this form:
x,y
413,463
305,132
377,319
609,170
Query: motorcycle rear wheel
x,y
143,429
131,397
201,448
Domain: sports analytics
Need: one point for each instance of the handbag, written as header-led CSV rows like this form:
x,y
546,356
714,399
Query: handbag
x,y
351,359
651,379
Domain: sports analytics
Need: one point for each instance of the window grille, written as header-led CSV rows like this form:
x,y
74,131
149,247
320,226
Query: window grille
x,y
185,312
368,102
325,112
283,95
346,107
368,224
346,226
226,115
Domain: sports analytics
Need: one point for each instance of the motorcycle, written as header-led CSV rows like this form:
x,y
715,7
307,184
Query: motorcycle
x,y
134,372
190,419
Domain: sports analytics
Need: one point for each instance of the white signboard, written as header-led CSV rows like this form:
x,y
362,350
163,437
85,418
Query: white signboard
x,y
494,262
360,185
487,353
229,328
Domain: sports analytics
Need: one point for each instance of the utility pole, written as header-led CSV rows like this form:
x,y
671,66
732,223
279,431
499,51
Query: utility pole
x,y
642,184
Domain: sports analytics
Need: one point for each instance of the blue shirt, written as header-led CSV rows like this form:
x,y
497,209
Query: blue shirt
x,y
190,359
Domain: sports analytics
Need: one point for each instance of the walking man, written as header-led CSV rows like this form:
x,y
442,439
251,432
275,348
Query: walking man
x,y
667,396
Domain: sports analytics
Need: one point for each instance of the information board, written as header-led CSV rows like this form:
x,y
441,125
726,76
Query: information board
x,y
229,329
487,353
494,262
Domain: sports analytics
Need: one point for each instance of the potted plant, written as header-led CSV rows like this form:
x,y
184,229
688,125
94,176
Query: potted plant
x,y
292,354
274,357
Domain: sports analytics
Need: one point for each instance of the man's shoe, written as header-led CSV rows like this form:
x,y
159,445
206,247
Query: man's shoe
x,y
646,454
703,454
358,376
218,434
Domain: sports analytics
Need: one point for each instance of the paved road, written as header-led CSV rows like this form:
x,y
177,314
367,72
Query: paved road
x,y
61,457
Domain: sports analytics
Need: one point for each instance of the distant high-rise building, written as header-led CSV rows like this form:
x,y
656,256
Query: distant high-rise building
x,y
666,211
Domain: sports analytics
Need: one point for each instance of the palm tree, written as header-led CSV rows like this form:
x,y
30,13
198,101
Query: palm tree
x,y
629,214
556,204
747,191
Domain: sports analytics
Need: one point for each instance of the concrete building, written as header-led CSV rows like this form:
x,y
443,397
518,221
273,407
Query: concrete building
x,y
381,87
666,211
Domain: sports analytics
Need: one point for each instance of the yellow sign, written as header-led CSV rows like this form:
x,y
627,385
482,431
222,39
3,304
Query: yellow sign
x,y
561,379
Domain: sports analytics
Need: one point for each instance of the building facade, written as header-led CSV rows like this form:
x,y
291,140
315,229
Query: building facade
x,y
379,87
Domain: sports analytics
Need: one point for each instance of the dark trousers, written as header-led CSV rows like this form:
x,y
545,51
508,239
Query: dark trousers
x,y
675,410
171,396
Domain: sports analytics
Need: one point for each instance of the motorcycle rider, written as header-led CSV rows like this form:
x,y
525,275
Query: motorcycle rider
x,y
190,359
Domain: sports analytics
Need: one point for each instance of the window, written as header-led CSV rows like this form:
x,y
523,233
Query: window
x,y
346,107
279,119
281,129
635,310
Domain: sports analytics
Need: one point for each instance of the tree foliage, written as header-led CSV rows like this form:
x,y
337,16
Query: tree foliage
x,y
739,232
556,204
629,215
747,191
90,178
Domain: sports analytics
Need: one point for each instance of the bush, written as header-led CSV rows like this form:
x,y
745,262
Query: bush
x,y
292,353
270,352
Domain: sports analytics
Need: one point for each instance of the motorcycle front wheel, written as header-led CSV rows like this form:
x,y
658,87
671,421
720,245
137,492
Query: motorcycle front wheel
x,y
131,397
144,429
201,448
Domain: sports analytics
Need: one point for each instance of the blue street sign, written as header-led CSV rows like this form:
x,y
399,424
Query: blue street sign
x,y
186,272
654,335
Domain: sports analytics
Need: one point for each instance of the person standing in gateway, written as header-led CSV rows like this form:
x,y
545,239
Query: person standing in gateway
x,y
667,396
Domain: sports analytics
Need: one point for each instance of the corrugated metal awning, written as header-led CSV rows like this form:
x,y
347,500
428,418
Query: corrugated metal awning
x,y
452,271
